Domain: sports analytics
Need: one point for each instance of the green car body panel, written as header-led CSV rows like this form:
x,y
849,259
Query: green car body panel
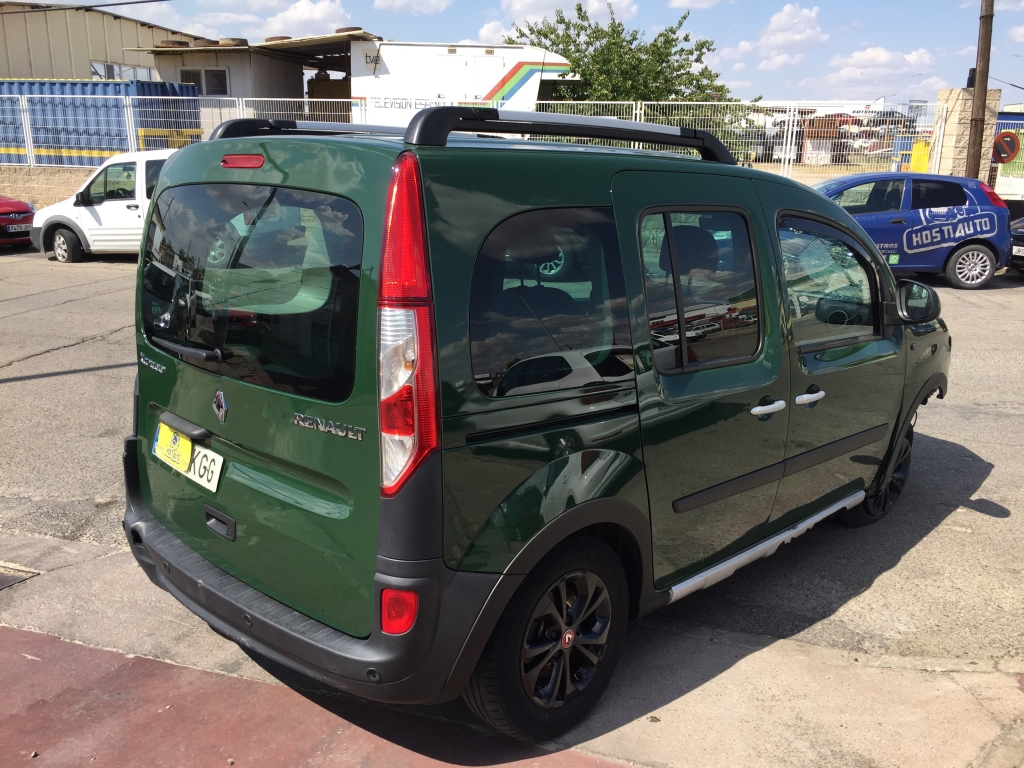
x,y
307,504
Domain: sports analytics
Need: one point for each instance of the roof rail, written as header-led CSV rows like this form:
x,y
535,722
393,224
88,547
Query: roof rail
x,y
430,128
243,127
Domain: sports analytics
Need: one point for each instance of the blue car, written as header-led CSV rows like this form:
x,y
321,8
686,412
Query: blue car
x,y
926,223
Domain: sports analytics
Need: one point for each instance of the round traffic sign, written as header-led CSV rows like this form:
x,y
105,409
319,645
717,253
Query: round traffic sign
x,y
1006,147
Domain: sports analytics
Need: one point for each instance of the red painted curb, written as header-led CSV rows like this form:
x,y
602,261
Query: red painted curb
x,y
81,706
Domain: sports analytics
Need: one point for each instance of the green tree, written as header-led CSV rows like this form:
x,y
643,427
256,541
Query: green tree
x,y
618,64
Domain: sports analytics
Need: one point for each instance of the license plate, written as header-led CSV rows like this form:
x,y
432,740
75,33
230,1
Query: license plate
x,y
198,464
1018,250
19,227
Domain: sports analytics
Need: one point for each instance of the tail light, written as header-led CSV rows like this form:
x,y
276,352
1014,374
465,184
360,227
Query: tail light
x,y
993,198
407,373
242,161
398,609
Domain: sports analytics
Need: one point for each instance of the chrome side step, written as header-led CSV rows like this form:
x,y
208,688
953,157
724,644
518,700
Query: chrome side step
x,y
767,547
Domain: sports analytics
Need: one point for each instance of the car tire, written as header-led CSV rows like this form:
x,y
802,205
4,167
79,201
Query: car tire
x,y
877,505
970,267
67,247
580,587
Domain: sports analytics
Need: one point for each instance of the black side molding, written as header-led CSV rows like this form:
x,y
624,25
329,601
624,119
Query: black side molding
x,y
187,428
776,472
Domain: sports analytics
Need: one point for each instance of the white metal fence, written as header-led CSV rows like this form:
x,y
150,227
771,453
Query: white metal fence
x,y
809,141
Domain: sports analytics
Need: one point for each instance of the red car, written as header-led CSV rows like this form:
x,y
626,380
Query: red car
x,y
15,221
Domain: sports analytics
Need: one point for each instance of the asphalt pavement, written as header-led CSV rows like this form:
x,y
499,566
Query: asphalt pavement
x,y
900,644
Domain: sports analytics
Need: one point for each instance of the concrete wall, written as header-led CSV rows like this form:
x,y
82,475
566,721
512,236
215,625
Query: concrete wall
x,y
41,186
61,44
957,130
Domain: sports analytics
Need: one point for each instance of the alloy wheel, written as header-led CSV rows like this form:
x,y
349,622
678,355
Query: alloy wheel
x,y
60,248
553,267
973,267
566,638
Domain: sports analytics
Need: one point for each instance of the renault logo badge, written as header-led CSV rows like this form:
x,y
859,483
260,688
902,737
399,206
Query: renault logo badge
x,y
220,406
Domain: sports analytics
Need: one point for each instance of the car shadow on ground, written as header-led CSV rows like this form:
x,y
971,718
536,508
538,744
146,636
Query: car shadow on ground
x,y
804,583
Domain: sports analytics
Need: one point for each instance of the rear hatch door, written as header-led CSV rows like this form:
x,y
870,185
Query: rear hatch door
x,y
257,320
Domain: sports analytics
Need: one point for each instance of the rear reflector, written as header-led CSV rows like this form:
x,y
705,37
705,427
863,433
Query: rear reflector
x,y
398,609
993,198
407,372
242,161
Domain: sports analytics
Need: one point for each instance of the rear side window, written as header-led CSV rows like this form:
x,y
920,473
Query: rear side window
x,y
873,197
706,268
547,305
266,276
936,194
152,174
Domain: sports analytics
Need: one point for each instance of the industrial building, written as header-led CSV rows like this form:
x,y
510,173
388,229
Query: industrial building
x,y
53,42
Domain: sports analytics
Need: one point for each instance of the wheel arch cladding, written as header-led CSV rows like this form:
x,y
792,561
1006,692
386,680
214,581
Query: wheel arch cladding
x,y
59,222
549,492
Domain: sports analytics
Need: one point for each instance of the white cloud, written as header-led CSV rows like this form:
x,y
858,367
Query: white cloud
x,y
692,5
535,10
302,18
783,41
876,71
737,84
789,32
415,7
780,60
970,50
739,66
492,32
1017,34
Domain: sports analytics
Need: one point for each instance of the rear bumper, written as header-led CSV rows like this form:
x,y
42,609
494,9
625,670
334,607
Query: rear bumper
x,y
419,667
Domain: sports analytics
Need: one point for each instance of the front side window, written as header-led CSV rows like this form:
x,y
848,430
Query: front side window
x,y
97,188
873,197
829,287
703,263
548,305
936,194
120,182
265,277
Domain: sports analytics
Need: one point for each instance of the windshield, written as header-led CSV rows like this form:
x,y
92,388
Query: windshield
x,y
267,277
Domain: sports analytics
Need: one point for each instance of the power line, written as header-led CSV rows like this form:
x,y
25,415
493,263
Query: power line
x,y
1004,82
80,7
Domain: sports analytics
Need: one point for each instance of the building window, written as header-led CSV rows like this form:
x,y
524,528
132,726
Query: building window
x,y
209,82
103,70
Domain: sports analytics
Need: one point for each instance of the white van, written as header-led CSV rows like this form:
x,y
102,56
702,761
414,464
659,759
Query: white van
x,y
107,214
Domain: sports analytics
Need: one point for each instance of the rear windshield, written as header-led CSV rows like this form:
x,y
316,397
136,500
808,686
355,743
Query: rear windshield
x,y
265,277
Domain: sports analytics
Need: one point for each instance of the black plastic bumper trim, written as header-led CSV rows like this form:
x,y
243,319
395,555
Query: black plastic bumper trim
x,y
412,668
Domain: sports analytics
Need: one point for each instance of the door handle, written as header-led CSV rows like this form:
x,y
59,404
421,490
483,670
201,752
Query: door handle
x,y
767,410
898,221
809,399
132,207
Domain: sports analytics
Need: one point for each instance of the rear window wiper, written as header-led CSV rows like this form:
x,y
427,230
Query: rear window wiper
x,y
195,354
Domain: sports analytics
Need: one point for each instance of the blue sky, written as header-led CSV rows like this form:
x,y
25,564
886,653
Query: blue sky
x,y
859,49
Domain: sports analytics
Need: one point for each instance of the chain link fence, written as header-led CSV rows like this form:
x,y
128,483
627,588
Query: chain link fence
x,y
807,141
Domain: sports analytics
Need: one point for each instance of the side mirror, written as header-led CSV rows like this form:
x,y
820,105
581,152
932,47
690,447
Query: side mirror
x,y
82,198
916,302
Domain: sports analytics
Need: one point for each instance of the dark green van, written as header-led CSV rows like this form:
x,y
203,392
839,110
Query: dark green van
x,y
423,415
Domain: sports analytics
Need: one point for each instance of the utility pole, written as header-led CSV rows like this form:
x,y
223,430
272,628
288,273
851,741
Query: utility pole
x,y
976,144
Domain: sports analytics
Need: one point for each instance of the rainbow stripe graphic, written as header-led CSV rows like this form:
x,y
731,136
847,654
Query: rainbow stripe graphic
x,y
510,84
